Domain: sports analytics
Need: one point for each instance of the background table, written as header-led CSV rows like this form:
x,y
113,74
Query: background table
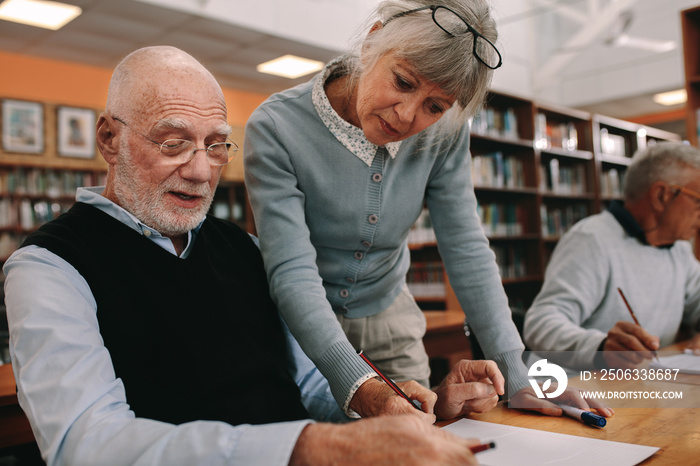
x,y
14,427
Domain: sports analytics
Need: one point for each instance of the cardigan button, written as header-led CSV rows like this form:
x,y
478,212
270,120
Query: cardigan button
x,y
373,219
359,255
366,243
377,177
350,280
344,293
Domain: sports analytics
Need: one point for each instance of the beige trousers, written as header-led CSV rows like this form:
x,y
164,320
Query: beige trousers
x,y
393,339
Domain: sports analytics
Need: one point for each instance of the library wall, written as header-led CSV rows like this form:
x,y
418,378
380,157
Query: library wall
x,y
56,83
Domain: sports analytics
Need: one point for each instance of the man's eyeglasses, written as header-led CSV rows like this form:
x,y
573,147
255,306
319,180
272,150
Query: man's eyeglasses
x,y
687,192
181,151
454,25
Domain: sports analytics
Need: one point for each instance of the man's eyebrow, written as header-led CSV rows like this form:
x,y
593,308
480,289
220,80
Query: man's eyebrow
x,y
175,123
224,130
170,123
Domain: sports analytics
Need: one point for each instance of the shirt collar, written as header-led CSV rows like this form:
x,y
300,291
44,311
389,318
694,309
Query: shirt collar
x,y
629,223
350,136
94,197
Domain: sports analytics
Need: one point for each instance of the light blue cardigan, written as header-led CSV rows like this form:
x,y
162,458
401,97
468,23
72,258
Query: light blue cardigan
x,y
333,232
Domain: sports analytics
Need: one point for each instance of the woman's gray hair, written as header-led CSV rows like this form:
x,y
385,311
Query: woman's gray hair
x,y
664,161
437,56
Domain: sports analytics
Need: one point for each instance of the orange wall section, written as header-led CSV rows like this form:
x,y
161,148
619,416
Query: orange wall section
x,y
66,83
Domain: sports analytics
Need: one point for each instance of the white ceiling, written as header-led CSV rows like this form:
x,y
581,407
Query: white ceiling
x,y
109,29
565,36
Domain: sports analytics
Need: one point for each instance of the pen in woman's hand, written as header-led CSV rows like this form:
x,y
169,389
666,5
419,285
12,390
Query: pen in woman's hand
x,y
390,382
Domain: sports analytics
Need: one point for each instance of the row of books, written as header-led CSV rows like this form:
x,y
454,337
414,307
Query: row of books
x,y
495,170
47,182
497,219
612,144
555,134
222,209
557,220
511,260
502,219
422,230
567,179
494,122
28,214
426,279
611,182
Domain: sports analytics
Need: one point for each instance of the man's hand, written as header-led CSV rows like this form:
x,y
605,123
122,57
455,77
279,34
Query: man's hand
x,y
527,399
628,344
471,386
376,398
386,440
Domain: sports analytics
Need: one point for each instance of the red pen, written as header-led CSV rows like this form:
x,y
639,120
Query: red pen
x,y
482,447
388,380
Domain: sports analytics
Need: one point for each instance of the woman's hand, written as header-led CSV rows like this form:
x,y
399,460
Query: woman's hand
x,y
376,398
527,399
471,386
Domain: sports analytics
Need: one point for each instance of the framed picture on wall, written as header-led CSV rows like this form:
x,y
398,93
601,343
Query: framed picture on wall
x,y
76,132
22,126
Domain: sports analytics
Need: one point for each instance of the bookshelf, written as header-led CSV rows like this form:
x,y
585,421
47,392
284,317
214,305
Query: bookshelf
x,y
537,169
690,31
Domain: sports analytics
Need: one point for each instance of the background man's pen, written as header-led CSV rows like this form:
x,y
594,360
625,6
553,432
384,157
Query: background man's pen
x,y
634,317
390,382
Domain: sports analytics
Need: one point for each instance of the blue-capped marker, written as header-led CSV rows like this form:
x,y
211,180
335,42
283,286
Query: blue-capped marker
x,y
586,417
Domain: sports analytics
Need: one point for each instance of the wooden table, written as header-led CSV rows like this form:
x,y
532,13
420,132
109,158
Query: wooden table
x,y
14,426
676,431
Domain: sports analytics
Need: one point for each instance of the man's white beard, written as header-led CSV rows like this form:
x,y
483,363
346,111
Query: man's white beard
x,y
147,202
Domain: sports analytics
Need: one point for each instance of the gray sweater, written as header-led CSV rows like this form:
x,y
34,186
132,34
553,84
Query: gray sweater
x,y
333,230
579,302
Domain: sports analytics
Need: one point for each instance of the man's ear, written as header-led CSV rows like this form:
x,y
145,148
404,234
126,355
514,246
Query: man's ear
x,y
659,196
106,140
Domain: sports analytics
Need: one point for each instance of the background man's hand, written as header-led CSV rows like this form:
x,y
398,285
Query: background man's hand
x,y
628,344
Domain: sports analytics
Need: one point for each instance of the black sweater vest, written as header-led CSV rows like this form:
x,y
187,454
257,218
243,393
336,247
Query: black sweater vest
x,y
192,339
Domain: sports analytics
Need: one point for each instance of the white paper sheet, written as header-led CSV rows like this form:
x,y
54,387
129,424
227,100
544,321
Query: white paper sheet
x,y
525,447
687,362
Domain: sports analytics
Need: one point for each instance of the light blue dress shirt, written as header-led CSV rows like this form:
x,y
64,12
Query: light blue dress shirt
x,y
76,405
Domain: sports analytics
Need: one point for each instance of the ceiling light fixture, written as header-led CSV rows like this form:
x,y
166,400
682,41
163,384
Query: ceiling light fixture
x,y
290,66
39,13
671,98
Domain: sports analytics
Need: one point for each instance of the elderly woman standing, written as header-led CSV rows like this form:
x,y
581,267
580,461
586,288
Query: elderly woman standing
x,y
338,170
